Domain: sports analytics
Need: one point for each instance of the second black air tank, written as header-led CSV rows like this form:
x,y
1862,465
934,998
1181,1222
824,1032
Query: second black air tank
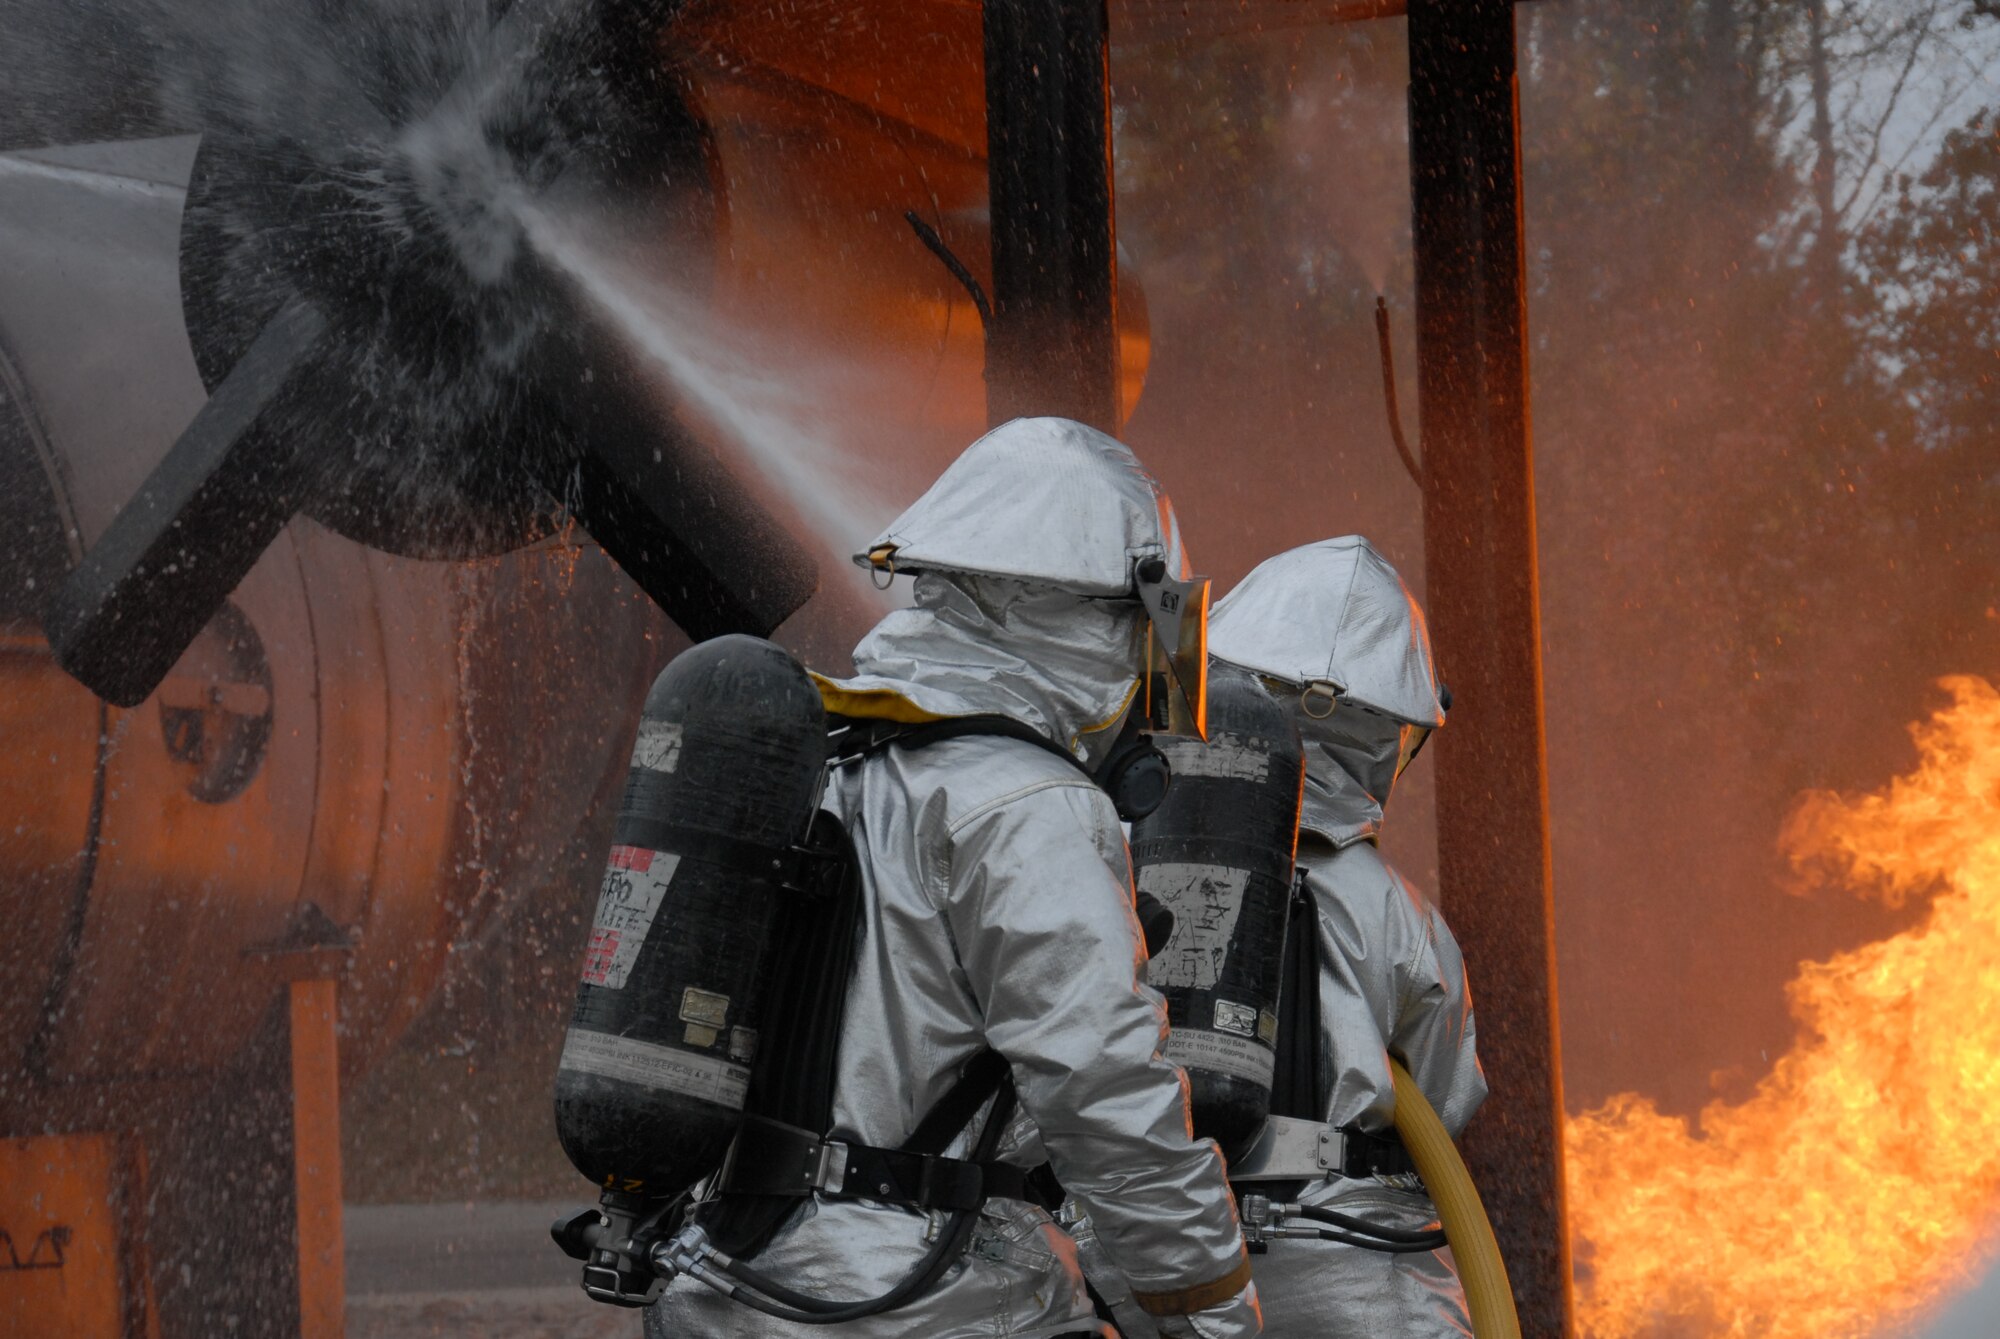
x,y
1217,853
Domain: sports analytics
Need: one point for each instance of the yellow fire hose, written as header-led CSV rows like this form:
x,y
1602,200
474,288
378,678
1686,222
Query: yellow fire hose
x,y
1488,1296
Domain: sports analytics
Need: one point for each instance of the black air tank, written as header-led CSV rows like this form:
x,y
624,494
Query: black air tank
x,y
1218,855
724,781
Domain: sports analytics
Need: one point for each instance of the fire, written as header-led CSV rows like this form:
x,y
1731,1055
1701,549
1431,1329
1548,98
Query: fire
x,y
1858,1182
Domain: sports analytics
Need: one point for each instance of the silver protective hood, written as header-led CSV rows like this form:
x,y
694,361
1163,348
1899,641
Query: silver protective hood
x,y
1064,664
1334,617
1350,770
1333,612
1048,501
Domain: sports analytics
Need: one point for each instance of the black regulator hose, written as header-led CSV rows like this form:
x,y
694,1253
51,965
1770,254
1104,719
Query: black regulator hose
x,y
805,1310
1380,1247
1429,1239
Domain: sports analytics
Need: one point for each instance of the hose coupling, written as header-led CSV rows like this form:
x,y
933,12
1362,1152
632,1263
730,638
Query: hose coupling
x,y
1260,1222
680,1253
689,1252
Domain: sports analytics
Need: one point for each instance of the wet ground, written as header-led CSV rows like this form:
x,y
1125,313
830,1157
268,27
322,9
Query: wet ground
x,y
509,1313
484,1271
489,1271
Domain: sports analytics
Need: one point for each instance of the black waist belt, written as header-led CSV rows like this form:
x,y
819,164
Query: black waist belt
x,y
771,1158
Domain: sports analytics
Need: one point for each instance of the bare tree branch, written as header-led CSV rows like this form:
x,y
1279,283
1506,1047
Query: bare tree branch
x,y
1889,106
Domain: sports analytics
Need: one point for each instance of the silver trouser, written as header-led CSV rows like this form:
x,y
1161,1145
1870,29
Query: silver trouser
x,y
1326,1290
1019,1277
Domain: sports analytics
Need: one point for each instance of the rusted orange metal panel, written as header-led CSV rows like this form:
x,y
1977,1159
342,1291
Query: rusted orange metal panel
x,y
316,1159
60,1273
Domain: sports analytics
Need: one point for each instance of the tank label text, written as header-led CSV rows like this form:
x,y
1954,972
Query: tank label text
x,y
634,883
688,1073
1240,1019
1206,901
1221,1053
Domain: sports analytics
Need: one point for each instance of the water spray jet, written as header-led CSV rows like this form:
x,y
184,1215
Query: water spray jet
x,y
386,354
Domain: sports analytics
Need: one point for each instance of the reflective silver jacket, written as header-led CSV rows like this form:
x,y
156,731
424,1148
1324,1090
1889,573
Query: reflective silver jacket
x,y
999,913
1391,980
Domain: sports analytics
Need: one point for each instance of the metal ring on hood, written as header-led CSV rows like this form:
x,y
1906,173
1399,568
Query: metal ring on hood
x,y
882,560
1319,690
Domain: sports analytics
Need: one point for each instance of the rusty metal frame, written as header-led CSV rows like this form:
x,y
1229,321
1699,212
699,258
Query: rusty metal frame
x,y
1482,588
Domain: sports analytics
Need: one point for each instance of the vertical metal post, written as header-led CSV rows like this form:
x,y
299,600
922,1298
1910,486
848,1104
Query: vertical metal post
x,y
1479,554
1052,346
142,1308
316,1160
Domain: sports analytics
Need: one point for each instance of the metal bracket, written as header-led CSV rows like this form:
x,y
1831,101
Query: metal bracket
x,y
826,1169
1259,1218
1290,1149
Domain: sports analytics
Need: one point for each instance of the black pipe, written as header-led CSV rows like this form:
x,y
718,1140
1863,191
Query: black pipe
x,y
1052,346
937,246
197,525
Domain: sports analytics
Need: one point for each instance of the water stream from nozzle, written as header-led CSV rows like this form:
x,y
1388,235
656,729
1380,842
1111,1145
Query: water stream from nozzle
x,y
765,413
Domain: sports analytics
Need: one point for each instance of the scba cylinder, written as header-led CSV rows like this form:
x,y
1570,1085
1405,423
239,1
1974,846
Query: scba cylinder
x,y
1218,855
725,777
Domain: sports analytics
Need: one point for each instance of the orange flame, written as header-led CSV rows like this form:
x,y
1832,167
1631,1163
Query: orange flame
x,y
1855,1186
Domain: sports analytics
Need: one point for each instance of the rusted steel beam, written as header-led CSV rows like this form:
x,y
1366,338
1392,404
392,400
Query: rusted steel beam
x,y
1479,554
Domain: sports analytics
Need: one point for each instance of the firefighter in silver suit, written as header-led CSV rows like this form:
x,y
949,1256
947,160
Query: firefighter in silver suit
x,y
998,911
1333,627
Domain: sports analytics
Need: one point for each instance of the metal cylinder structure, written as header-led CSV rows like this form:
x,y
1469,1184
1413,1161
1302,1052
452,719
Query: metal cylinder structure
x,y
1218,854
230,883
725,778
330,786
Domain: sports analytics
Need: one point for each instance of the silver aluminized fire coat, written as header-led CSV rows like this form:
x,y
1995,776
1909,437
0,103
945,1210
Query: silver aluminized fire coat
x,y
999,913
1391,978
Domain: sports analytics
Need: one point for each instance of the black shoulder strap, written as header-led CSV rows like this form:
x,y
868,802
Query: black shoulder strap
x,y
983,1076
792,1078
1295,1086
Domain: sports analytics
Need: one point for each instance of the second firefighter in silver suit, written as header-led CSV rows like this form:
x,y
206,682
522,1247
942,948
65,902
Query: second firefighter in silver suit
x,y
1334,626
1331,628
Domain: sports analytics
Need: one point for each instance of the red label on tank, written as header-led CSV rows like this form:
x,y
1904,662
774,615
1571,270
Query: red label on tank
x,y
631,857
599,956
